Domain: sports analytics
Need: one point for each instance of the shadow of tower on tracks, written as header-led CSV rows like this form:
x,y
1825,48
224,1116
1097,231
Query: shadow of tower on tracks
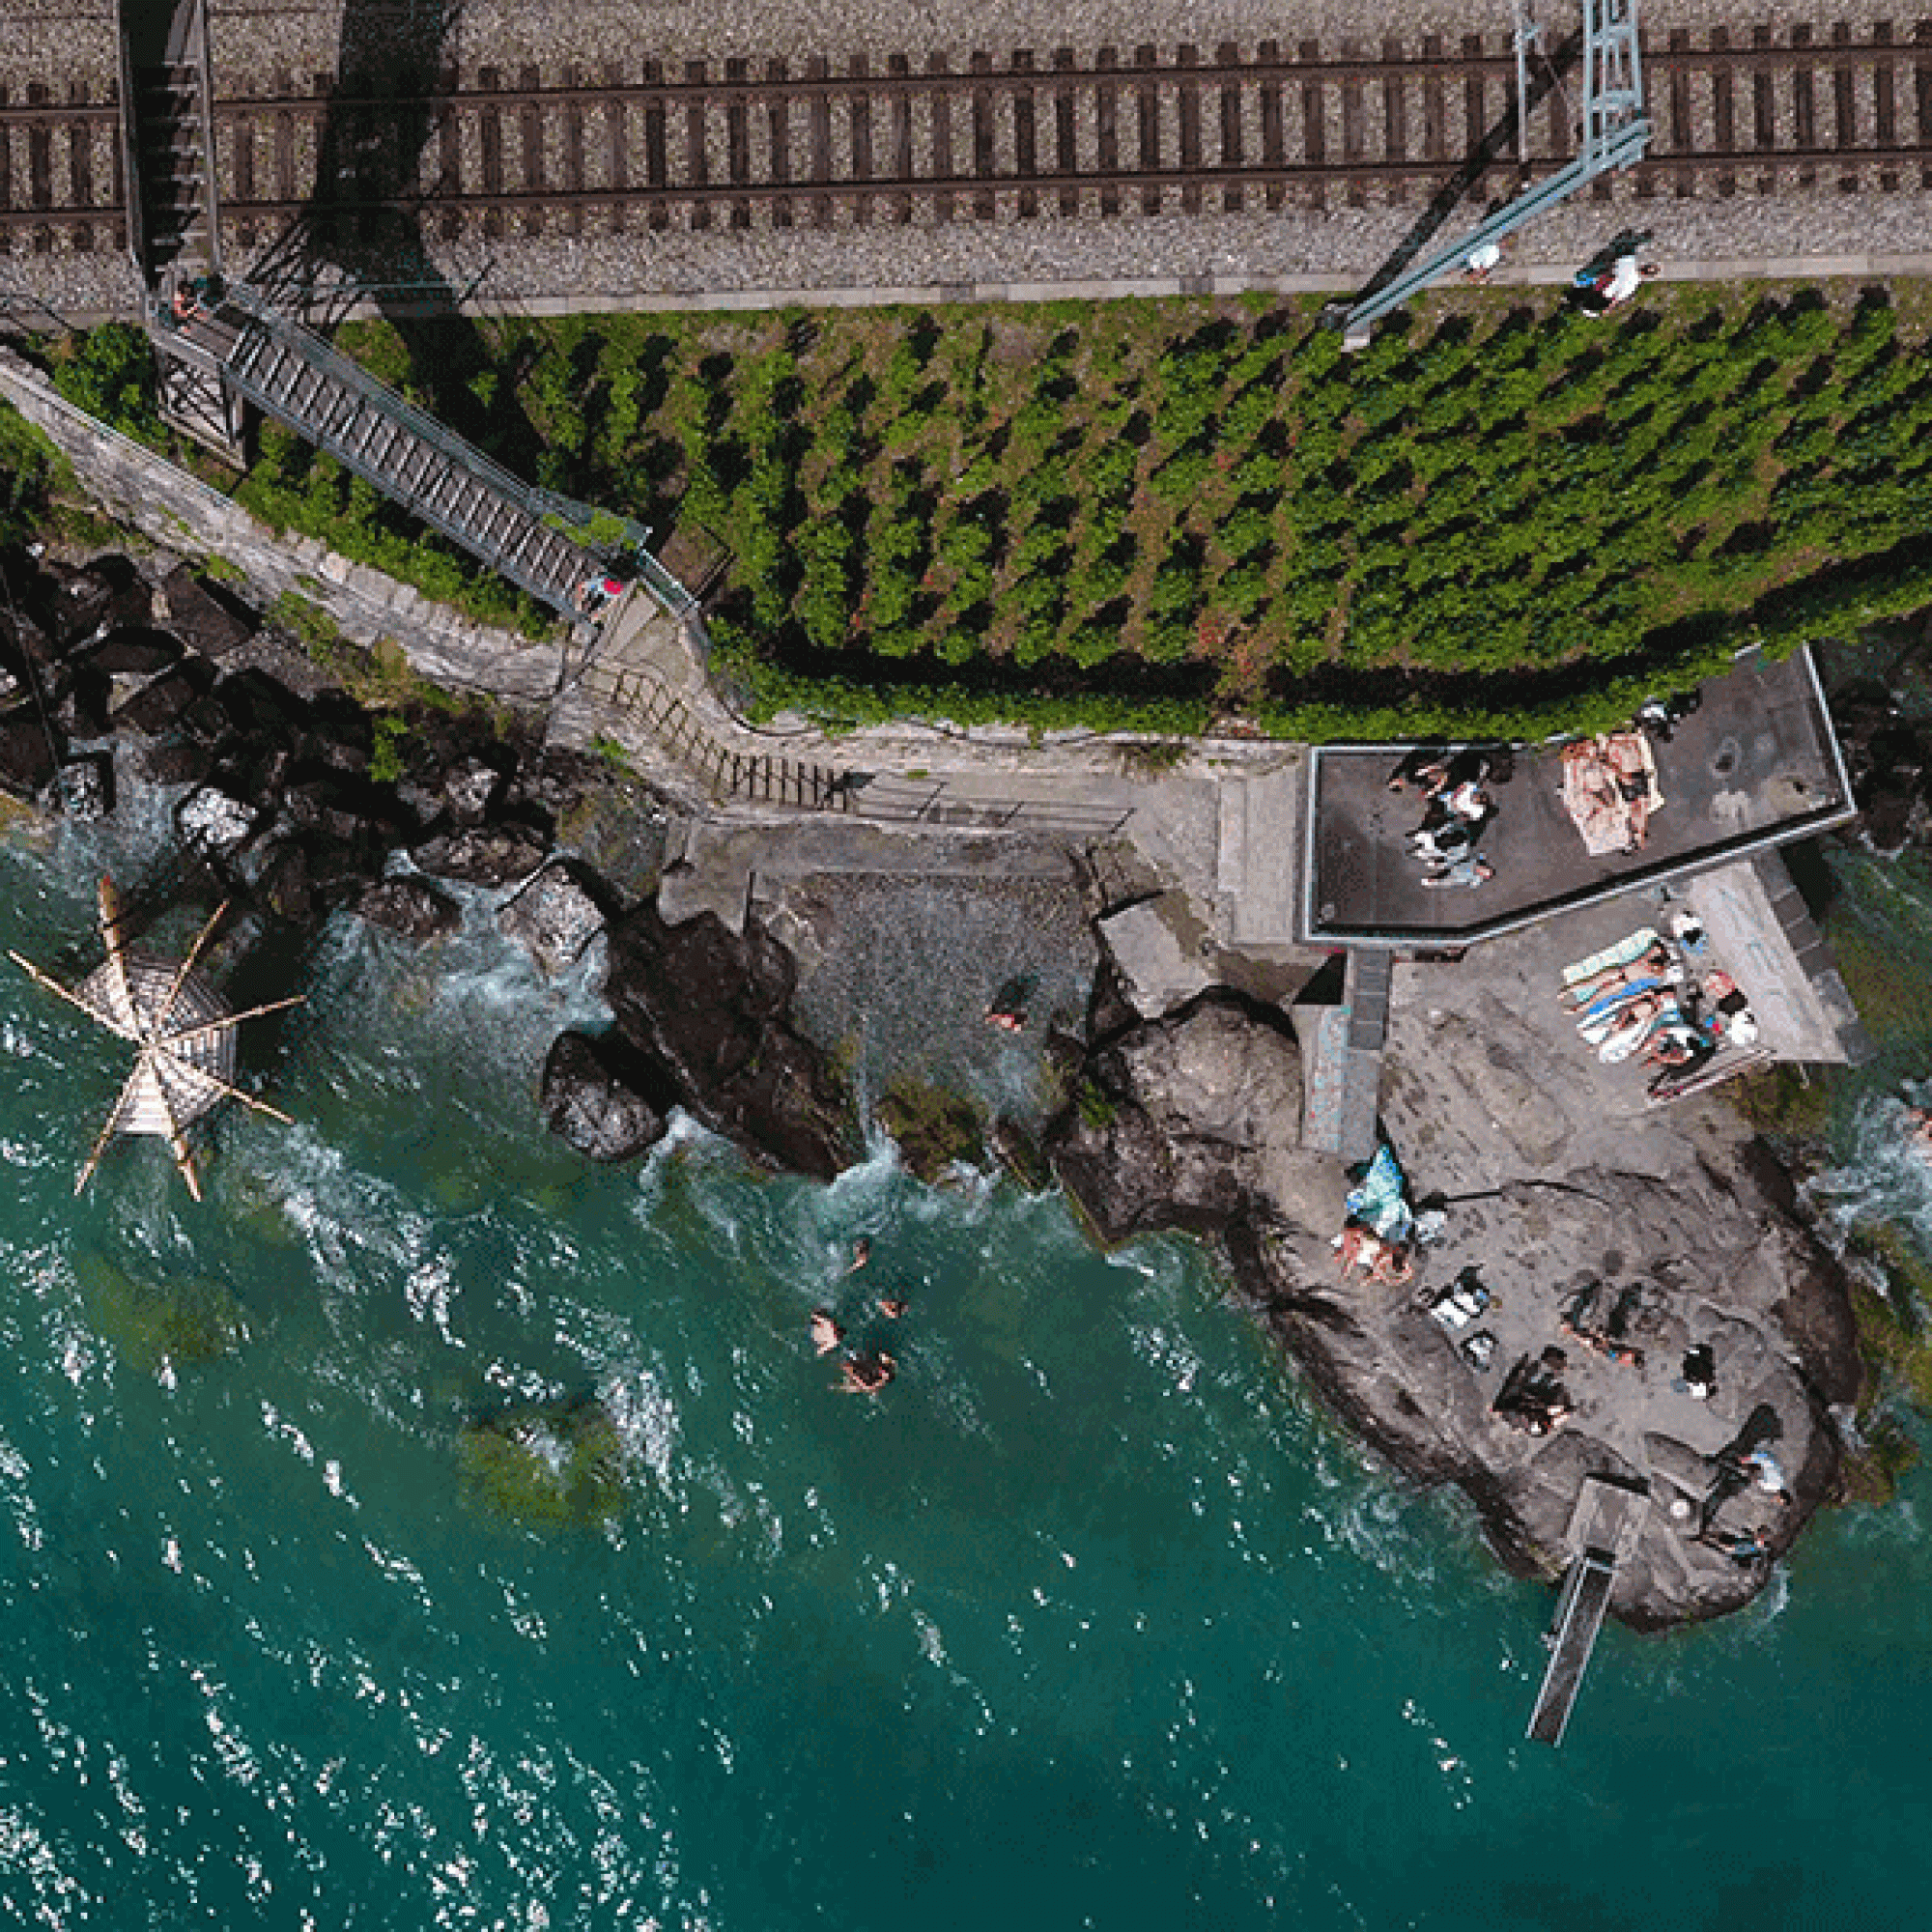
x,y
1491,154
363,235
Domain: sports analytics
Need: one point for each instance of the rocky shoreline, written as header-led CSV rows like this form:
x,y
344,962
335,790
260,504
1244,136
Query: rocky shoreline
x,y
1179,1125
301,802
297,801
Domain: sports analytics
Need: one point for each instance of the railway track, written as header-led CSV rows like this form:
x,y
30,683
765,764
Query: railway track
x,y
1120,132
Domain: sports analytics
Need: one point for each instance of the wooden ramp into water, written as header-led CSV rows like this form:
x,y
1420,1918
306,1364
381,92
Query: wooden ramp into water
x,y
1603,1529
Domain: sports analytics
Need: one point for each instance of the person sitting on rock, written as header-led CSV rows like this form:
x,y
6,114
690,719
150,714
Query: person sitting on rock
x,y
1765,1470
1378,1260
1746,1547
1577,1315
1008,1011
1699,1377
1426,768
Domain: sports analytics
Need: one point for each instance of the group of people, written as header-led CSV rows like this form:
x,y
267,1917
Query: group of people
x,y
1533,1399
1656,1005
1381,1226
1458,807
1610,790
1610,1335
1602,286
863,1370
1747,1463
1379,1258
1605,283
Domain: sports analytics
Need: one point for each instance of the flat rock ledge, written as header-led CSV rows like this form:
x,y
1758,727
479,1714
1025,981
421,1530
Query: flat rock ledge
x,y
1190,1122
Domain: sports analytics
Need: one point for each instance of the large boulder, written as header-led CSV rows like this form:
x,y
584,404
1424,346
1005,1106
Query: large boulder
x,y
132,650
472,788
84,788
1159,953
411,906
709,1009
486,855
98,595
555,917
210,620
341,734
213,822
30,748
1192,1122
592,1097
263,708
85,706
162,702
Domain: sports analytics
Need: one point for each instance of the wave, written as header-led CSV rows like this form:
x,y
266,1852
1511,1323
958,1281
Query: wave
x,y
1883,1176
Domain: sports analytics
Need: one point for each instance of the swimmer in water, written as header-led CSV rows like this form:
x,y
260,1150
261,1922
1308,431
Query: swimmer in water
x,y
866,1374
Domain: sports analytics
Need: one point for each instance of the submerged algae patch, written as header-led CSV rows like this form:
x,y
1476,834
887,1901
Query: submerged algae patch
x,y
166,1322
559,1465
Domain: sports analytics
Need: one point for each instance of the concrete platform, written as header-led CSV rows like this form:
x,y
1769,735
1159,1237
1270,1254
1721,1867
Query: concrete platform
x,y
1756,766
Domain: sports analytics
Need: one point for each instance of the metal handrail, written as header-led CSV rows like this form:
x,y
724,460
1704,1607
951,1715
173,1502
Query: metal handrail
x,y
577,521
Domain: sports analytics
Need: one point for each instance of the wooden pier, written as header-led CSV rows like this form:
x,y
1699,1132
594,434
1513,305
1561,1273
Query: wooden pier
x,y
1602,1532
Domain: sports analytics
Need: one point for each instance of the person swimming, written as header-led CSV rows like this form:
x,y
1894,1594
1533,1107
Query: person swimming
x,y
868,1373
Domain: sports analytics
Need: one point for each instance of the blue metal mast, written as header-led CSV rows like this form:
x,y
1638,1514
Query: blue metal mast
x,y
1616,131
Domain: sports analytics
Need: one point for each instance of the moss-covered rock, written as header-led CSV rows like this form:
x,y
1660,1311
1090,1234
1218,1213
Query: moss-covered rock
x,y
1871,1473
934,1129
1883,979
1893,1328
559,1465
1783,1104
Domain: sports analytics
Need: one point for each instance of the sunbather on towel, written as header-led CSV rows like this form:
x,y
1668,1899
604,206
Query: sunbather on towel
x,y
1627,758
1650,967
1633,1025
1601,1009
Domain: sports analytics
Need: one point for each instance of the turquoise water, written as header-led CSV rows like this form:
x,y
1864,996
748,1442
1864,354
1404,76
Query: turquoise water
x,y
1089,1621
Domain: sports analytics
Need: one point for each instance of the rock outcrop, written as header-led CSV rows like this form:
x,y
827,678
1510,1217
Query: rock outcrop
x,y
593,1099
297,801
1192,1121
411,906
555,917
708,1010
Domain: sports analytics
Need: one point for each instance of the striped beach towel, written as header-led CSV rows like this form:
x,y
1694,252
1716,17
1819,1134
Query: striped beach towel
x,y
1620,955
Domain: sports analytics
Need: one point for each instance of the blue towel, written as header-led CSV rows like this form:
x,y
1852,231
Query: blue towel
x,y
1381,1204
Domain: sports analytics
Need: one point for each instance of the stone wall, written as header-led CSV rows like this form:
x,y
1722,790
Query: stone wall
x,y
181,513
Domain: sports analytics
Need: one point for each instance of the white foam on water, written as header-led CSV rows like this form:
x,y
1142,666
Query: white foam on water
x,y
1886,1177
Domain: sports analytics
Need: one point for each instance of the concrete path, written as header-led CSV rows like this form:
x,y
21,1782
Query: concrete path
x,y
1223,823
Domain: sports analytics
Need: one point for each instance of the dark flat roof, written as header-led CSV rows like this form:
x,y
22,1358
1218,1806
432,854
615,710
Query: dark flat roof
x,y
1756,765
